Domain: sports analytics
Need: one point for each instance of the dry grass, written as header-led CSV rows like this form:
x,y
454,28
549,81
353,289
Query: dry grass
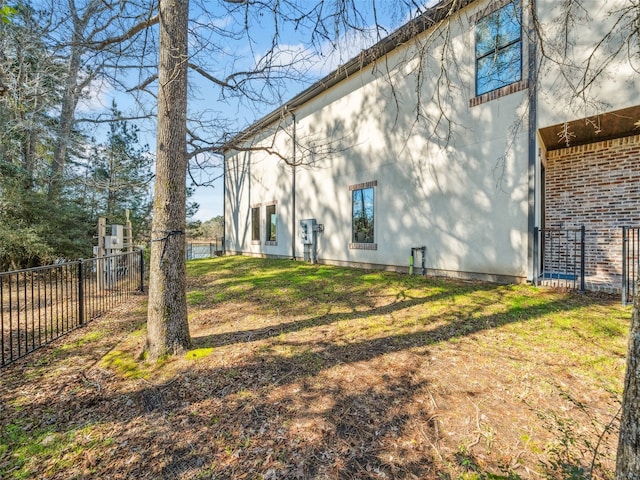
x,y
316,372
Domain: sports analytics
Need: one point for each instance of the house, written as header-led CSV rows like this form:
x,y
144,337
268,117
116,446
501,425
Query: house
x,y
503,138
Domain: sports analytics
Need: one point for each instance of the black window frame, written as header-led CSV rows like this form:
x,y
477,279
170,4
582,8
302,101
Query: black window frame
x,y
499,48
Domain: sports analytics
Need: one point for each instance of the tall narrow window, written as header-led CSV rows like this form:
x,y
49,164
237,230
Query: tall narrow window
x,y
363,215
255,224
272,221
499,48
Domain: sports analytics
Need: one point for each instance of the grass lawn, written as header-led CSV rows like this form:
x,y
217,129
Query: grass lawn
x,y
302,371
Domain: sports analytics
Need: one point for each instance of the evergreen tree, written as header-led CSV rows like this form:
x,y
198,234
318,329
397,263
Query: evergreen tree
x,y
29,77
119,177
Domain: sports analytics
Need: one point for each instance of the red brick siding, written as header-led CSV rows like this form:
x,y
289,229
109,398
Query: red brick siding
x,y
598,186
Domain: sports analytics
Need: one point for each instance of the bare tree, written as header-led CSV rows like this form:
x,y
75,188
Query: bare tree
x,y
262,81
88,34
167,326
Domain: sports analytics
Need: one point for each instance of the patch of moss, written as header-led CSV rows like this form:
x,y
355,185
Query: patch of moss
x,y
31,448
198,353
140,332
124,364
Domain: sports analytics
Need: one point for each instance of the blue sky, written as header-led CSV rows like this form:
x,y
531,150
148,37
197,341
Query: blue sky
x,y
243,51
316,65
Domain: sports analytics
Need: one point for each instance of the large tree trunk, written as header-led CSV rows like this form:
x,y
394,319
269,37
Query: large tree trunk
x,y
628,460
167,327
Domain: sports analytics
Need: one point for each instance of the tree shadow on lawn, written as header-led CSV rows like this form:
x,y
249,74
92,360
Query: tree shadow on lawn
x,y
359,427
327,318
286,286
316,414
330,354
461,320
313,414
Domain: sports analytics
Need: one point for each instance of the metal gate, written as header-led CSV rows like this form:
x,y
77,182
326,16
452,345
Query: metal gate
x,y
630,263
561,257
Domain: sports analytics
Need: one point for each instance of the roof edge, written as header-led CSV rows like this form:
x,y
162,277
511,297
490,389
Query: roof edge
x,y
430,18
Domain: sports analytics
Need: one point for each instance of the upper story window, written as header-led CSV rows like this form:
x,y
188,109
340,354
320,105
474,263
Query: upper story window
x,y
499,48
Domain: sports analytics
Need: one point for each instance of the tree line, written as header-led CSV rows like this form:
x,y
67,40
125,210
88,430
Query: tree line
x,y
50,200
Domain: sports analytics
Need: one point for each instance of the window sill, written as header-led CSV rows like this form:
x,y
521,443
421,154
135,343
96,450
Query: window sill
x,y
256,242
363,246
499,93
269,242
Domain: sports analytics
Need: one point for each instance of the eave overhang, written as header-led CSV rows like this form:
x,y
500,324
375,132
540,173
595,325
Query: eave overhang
x,y
430,18
596,128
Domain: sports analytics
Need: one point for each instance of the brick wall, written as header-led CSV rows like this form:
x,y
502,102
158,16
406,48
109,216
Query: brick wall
x,y
596,185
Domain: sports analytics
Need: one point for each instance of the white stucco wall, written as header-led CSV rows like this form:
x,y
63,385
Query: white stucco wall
x,y
585,70
455,181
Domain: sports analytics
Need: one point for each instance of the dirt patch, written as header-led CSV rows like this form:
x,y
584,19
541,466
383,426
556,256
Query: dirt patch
x,y
323,373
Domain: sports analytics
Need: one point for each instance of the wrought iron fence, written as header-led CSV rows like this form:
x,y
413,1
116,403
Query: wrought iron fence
x,y
561,256
196,250
38,305
630,263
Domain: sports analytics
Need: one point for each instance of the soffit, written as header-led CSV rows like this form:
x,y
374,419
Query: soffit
x,y
597,128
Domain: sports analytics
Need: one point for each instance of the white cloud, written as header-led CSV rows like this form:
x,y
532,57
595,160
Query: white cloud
x,y
348,46
96,97
221,23
318,62
330,55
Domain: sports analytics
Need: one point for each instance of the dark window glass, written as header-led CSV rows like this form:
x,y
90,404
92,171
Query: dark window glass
x,y
271,223
255,223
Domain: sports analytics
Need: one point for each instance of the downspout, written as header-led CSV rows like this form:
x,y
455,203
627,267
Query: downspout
x,y
532,249
224,203
293,191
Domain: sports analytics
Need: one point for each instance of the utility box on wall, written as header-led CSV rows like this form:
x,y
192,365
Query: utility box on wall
x,y
307,231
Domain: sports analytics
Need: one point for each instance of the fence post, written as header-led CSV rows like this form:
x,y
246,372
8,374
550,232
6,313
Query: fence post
x,y
582,256
142,270
80,293
624,265
635,258
536,260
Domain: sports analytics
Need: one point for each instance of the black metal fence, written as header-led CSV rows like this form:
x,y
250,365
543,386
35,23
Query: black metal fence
x,y
630,263
38,305
562,257
196,250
